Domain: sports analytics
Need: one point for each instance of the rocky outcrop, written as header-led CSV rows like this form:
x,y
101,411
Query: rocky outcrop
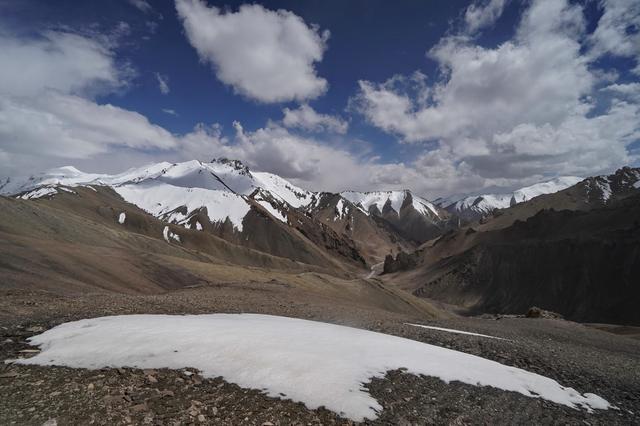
x,y
402,262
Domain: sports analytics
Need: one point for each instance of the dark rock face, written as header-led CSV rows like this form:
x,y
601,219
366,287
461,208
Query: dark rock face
x,y
583,265
402,262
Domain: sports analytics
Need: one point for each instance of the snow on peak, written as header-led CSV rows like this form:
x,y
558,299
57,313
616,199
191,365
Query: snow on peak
x,y
549,187
283,189
318,364
174,191
486,203
365,200
602,188
396,199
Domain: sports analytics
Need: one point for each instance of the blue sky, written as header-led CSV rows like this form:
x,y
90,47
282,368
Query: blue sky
x,y
439,97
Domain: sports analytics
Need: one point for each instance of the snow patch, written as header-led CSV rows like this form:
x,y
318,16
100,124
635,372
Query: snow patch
x,y
198,226
342,209
424,207
272,210
451,330
605,188
162,200
67,190
39,193
122,218
166,233
316,363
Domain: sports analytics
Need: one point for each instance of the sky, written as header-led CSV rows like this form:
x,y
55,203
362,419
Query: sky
x,y
441,98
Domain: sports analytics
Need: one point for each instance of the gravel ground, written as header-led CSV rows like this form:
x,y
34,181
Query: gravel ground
x,y
584,358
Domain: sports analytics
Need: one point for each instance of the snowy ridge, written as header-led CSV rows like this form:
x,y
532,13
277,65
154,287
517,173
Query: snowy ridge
x,y
174,192
262,198
602,188
365,200
481,205
165,201
291,194
316,363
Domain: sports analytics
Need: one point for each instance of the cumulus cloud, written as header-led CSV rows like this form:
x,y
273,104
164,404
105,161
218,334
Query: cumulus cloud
x,y
47,107
311,163
49,118
264,55
480,15
314,164
60,61
163,83
69,126
305,117
521,109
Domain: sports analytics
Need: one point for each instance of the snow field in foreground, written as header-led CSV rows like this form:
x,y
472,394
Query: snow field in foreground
x,y
316,363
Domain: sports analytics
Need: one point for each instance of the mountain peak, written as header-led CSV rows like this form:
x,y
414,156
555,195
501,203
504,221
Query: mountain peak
x,y
236,164
474,207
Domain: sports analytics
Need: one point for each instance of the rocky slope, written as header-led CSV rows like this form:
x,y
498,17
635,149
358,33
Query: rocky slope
x,y
258,210
223,198
576,252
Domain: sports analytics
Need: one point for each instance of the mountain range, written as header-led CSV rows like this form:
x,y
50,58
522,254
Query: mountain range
x,y
481,253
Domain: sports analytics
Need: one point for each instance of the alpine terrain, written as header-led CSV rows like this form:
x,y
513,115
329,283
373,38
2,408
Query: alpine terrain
x,y
200,237
320,212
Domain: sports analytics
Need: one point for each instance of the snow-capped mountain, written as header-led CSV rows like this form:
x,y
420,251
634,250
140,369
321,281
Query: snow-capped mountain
x,y
226,198
175,192
378,202
601,189
225,190
478,206
412,217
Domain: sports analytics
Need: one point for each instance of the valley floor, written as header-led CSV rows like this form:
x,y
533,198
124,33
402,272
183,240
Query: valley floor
x,y
585,358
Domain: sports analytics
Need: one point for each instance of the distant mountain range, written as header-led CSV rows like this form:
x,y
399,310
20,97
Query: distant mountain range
x,y
225,198
477,206
569,244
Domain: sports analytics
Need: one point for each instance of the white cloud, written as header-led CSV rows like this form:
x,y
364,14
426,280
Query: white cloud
x,y
163,83
615,33
60,61
519,110
49,122
317,165
305,117
481,15
629,91
265,55
170,111
73,127
141,5
46,109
